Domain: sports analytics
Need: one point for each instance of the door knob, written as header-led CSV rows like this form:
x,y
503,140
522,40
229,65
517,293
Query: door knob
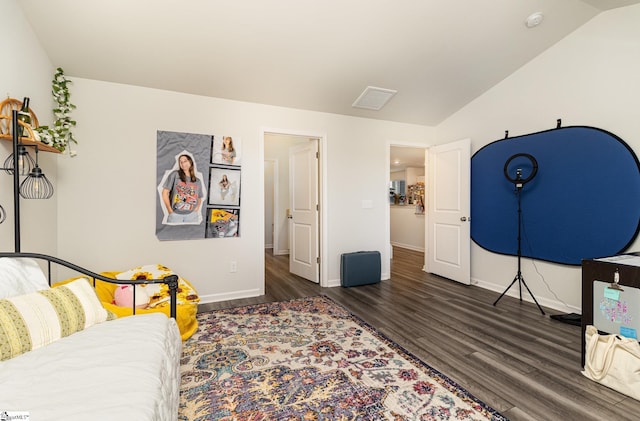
x,y
463,218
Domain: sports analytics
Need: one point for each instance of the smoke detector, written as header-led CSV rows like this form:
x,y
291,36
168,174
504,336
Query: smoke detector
x,y
534,20
373,98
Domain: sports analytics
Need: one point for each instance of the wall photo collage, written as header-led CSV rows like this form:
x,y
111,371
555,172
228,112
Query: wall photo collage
x,y
199,180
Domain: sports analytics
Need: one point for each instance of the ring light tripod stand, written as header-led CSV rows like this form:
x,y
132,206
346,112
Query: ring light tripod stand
x,y
519,182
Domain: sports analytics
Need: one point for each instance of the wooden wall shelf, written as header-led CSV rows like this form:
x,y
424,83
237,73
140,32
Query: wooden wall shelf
x,y
42,147
6,108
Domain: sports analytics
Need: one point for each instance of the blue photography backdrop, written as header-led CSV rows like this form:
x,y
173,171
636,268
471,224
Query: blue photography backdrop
x,y
584,201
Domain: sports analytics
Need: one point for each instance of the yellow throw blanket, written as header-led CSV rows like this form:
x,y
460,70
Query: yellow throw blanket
x,y
187,296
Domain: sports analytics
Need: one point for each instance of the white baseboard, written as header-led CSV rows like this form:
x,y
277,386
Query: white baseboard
x,y
407,246
512,292
235,295
333,283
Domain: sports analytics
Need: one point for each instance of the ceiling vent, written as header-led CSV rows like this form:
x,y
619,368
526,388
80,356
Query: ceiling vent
x,y
373,98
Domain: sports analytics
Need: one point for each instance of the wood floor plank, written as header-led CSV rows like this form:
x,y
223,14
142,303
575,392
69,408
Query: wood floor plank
x,y
522,363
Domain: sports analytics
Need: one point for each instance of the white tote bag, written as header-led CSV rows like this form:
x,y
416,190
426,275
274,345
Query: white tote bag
x,y
613,361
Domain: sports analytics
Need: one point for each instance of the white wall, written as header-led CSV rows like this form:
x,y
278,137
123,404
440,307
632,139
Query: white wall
x,y
413,174
591,78
407,227
25,71
107,193
398,175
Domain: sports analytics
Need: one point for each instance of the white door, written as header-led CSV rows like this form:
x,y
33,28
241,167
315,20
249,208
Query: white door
x,y
303,216
449,206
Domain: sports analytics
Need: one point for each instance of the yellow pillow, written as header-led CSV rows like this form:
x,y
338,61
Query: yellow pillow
x,y
34,320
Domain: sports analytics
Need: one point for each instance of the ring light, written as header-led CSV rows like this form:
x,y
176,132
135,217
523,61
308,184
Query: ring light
x,y
518,180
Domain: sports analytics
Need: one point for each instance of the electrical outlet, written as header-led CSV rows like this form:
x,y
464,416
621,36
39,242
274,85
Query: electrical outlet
x,y
233,266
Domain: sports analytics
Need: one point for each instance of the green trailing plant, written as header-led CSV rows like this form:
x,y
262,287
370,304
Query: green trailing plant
x,y
59,135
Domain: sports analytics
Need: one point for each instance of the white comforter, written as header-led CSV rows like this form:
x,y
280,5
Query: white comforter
x,y
125,369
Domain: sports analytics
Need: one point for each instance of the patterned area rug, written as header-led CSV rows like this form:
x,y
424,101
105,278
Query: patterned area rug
x,y
310,359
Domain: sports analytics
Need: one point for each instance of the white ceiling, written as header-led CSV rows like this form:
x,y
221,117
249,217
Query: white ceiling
x,y
315,55
402,157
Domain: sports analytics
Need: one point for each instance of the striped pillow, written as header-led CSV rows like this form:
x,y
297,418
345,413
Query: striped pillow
x,y
33,320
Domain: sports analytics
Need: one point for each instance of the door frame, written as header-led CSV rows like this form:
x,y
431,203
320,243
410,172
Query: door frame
x,y
322,196
386,266
274,223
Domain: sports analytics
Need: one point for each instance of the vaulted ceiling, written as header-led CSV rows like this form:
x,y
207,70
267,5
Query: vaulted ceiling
x,y
314,55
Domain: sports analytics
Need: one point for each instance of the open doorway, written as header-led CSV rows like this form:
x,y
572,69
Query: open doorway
x,y
447,240
407,197
286,223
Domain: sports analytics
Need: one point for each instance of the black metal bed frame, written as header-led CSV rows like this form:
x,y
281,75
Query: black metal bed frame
x,y
170,280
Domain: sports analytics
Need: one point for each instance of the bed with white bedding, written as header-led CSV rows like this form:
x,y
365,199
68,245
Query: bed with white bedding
x,y
63,356
124,369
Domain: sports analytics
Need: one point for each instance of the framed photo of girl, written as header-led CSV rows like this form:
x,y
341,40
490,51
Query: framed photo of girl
x,y
224,186
226,150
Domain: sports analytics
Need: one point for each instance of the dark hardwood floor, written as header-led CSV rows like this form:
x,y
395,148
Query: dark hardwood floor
x,y
524,364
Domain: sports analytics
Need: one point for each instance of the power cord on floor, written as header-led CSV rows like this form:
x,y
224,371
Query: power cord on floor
x,y
544,281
